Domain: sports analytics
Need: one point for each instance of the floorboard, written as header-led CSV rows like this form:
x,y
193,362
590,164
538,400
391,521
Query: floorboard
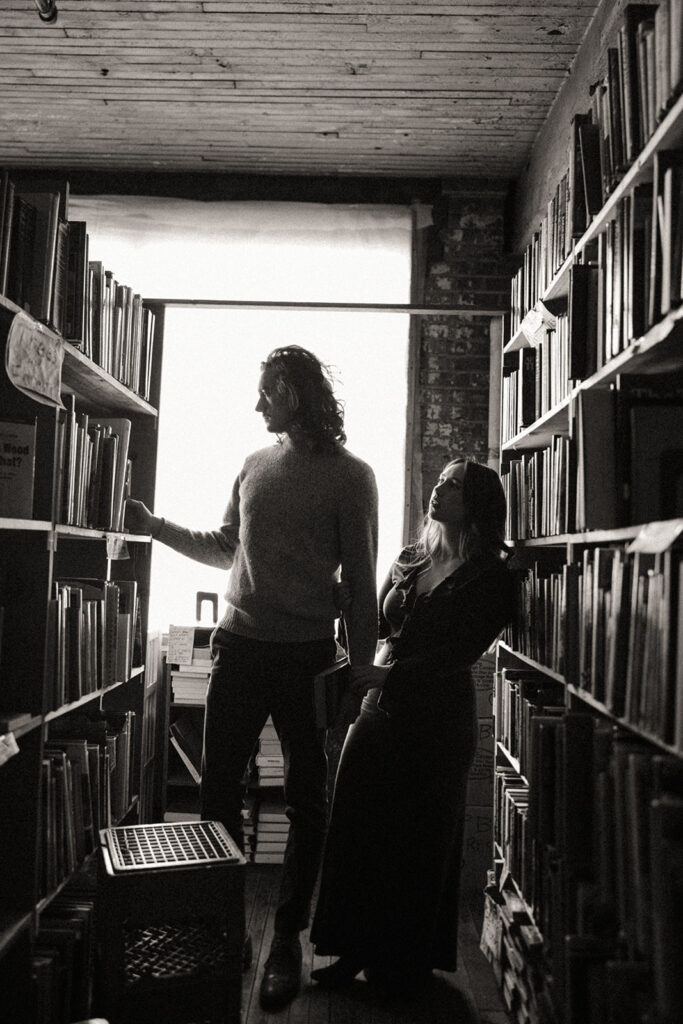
x,y
468,996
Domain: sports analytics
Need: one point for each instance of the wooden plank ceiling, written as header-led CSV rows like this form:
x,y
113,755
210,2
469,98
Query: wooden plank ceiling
x,y
400,88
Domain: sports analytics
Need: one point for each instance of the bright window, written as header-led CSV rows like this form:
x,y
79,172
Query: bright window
x,y
265,252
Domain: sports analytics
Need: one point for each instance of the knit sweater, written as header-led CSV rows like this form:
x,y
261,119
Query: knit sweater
x,y
293,519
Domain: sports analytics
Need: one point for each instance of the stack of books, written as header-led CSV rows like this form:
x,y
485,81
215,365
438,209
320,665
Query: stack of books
x,y
190,682
249,827
269,760
272,829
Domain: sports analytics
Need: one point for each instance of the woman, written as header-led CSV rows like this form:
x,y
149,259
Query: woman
x,y
389,889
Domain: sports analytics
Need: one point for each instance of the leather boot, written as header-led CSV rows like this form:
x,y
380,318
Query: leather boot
x,y
282,972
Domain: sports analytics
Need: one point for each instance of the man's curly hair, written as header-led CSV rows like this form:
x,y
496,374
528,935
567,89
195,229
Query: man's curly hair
x,y
307,385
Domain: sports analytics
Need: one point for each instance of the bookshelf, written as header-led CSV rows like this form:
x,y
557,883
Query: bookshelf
x,y
581,911
80,675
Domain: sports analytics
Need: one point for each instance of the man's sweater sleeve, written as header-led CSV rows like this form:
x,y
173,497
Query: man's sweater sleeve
x,y
213,547
358,539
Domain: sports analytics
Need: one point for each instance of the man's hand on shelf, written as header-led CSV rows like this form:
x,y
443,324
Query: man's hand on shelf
x,y
138,517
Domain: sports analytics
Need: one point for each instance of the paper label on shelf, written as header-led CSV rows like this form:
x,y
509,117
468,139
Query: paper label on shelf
x,y
8,747
180,644
117,548
657,537
33,360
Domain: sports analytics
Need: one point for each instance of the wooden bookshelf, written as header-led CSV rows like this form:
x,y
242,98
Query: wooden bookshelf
x,y
108,705
589,687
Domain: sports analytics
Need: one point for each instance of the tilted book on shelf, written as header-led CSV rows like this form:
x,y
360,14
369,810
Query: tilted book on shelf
x,y
188,742
38,296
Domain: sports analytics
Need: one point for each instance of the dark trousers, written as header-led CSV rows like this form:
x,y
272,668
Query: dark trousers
x,y
251,679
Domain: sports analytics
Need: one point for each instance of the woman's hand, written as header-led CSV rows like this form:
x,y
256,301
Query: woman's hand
x,y
367,677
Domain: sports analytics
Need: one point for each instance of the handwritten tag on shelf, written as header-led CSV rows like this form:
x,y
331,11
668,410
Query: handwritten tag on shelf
x,y
33,360
117,549
657,537
180,644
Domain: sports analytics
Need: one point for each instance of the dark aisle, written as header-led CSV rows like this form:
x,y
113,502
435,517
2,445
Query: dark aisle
x,y
470,996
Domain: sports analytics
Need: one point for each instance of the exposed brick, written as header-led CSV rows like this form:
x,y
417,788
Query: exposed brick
x,y
470,269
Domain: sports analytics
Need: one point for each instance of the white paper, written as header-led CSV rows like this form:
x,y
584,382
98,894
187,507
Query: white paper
x,y
33,360
180,644
657,537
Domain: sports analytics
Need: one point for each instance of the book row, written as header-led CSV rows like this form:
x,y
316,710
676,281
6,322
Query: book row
x,y
611,624
46,270
620,465
63,958
643,76
34,235
118,329
536,489
514,947
93,470
17,469
86,776
600,873
93,637
631,273
520,694
644,73
536,378
543,257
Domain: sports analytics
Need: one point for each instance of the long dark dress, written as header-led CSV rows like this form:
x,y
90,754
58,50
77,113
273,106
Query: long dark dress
x,y
390,878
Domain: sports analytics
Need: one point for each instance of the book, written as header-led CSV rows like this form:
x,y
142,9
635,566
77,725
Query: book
x,y
95,311
591,174
77,280
77,752
77,912
650,423
594,434
269,760
120,428
634,129
59,276
272,811
268,858
6,226
583,340
675,48
578,219
666,844
17,469
20,255
330,688
200,671
616,140
38,297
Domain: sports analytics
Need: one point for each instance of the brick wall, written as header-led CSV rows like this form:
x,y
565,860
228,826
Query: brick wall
x,y
465,266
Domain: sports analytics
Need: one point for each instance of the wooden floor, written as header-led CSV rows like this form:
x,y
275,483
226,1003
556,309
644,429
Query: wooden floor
x,y
469,996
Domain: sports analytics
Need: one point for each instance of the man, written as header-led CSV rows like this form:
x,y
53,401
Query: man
x,y
300,511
